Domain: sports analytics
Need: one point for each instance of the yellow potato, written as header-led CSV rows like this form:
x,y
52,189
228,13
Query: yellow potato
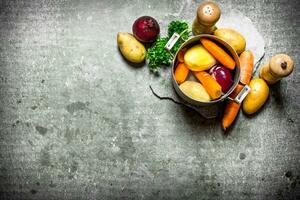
x,y
197,58
232,37
257,97
131,49
195,91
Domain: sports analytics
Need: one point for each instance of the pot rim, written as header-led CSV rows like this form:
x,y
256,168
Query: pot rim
x,y
233,53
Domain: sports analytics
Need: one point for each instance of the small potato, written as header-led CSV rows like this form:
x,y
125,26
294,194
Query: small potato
x,y
232,37
195,91
257,97
131,49
197,58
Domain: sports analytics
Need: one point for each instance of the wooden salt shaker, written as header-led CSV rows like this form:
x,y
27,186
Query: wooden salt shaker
x,y
208,13
280,66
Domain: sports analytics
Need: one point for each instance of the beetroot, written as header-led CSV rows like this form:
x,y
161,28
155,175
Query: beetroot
x,y
145,29
223,76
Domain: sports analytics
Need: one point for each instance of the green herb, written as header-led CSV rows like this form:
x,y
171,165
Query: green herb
x,y
157,55
178,27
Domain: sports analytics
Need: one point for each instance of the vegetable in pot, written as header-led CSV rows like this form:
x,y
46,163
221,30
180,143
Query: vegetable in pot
x,y
181,53
195,91
219,53
197,58
210,84
181,73
223,76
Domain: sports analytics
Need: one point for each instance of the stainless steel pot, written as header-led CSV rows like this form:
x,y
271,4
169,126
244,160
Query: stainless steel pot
x,y
196,40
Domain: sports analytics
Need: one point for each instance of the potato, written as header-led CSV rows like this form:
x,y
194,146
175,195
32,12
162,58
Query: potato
x,y
257,97
195,91
197,58
232,37
131,49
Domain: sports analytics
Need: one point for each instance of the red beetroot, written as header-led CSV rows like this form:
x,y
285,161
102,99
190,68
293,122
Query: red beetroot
x,y
145,29
223,76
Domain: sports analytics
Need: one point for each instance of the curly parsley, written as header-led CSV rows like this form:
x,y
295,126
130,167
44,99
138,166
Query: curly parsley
x,y
157,55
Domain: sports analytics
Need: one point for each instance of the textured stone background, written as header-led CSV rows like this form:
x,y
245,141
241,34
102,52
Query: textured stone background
x,y
78,122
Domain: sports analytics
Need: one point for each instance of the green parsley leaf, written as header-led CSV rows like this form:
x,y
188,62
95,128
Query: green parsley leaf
x,y
157,55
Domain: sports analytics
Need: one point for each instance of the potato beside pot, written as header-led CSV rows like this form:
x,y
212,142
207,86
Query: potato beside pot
x,y
131,48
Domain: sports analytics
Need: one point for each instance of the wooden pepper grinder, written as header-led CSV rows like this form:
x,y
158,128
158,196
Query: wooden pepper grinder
x,y
208,13
280,66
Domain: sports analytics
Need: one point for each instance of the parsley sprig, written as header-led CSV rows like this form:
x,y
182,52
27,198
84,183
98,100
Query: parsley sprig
x,y
157,55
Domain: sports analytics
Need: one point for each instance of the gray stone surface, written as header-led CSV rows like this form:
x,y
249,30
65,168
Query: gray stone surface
x,y
78,122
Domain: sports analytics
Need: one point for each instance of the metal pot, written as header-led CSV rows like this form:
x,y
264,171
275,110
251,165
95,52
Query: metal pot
x,y
196,40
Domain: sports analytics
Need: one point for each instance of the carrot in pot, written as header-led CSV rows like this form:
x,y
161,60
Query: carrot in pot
x,y
181,72
181,53
223,57
212,87
232,108
247,64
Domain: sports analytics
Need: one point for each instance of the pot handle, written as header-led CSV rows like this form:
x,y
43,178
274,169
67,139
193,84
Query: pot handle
x,y
241,95
172,41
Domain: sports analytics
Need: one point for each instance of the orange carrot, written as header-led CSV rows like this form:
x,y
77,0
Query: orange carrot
x,y
247,63
231,111
236,91
181,72
181,53
224,58
212,87
232,108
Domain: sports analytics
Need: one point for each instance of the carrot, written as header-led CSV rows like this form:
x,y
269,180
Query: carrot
x,y
247,63
232,108
181,53
224,58
231,111
181,72
212,87
236,91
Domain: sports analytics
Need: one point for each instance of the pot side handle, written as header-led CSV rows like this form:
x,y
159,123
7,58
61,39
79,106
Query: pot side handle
x,y
241,95
172,41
